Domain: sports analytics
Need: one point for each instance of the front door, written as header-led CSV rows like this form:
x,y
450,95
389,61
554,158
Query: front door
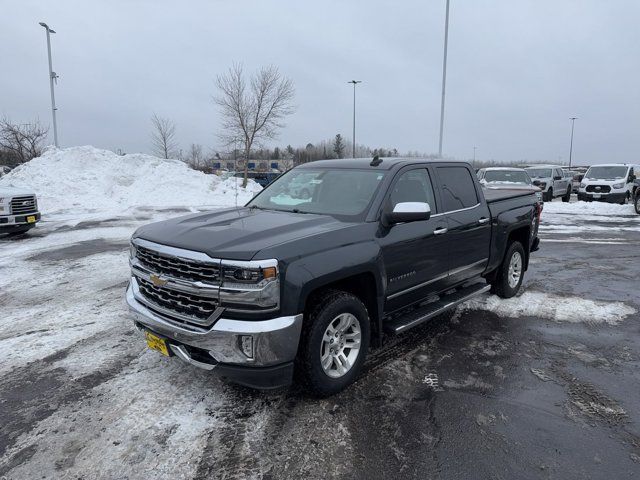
x,y
469,223
414,253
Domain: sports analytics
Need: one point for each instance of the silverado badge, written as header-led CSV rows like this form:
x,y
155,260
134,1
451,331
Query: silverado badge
x,y
157,280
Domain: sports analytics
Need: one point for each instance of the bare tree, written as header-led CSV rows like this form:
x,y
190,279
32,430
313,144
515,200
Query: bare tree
x,y
255,111
195,157
163,136
22,141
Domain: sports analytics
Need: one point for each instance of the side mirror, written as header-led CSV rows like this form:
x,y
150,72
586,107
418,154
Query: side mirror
x,y
557,177
407,212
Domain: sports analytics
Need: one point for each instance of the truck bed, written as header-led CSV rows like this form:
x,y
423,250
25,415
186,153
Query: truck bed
x,y
493,195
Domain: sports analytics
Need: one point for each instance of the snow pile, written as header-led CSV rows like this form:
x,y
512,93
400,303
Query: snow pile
x,y
87,178
588,208
553,307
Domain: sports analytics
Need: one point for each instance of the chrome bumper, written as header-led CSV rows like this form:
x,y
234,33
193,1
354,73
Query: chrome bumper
x,y
20,219
275,340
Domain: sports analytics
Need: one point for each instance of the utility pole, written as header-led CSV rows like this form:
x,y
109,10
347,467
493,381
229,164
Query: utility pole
x,y
355,82
52,78
573,120
444,78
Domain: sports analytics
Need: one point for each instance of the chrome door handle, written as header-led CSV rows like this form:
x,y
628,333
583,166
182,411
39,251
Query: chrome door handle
x,y
483,220
440,231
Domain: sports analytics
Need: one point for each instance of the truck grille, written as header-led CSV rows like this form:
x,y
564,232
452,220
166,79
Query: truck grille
x,y
183,303
598,188
22,205
178,267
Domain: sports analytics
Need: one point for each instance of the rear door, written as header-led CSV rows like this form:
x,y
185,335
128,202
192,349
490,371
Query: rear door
x,y
414,253
468,221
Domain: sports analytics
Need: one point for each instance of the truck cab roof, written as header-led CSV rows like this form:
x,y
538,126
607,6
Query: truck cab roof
x,y
385,163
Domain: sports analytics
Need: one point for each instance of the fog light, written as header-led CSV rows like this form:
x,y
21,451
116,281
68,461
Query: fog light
x,y
246,343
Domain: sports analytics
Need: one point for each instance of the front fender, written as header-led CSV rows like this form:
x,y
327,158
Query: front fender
x,y
304,275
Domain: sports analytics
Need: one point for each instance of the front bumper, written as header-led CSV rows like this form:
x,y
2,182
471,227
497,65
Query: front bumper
x,y
11,221
218,348
614,197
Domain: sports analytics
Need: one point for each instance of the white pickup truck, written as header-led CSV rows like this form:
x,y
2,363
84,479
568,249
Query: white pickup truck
x,y
18,210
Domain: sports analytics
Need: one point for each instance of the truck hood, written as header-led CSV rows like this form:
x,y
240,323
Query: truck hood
x,y
237,233
14,191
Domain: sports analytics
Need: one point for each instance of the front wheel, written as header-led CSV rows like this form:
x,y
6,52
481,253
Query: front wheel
x,y
510,272
549,195
636,204
333,344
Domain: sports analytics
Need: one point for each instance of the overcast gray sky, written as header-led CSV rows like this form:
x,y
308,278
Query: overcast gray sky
x,y
517,71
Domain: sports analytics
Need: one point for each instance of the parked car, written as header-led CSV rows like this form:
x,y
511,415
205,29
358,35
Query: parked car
x,y
613,183
636,196
18,210
507,177
551,180
258,292
4,170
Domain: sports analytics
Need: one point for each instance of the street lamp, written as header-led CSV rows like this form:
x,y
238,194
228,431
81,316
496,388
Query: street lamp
x,y
355,82
444,78
474,156
52,78
573,120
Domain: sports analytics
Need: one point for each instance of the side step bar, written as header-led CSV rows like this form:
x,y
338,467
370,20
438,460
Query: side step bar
x,y
427,312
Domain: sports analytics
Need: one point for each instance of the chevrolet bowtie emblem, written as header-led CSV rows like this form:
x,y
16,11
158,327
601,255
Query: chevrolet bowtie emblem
x,y
157,280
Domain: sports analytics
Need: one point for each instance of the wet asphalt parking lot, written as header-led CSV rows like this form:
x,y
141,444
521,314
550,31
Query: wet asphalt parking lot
x,y
501,390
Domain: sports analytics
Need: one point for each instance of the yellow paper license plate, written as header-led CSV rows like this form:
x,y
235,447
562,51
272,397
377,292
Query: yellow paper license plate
x,y
156,343
31,219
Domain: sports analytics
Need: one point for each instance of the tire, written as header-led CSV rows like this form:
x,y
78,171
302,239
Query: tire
x,y
505,285
636,204
549,195
567,197
331,310
626,199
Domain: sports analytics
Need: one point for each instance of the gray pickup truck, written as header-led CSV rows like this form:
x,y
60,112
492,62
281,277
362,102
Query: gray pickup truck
x,y
553,182
298,286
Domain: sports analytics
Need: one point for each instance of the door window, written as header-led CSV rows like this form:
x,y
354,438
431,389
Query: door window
x,y
413,186
458,188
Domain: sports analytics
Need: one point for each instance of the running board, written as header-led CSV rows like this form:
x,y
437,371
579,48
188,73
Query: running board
x,y
427,312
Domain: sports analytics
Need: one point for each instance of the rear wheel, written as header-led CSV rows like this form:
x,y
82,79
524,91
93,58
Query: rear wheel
x,y
567,196
510,273
636,204
334,343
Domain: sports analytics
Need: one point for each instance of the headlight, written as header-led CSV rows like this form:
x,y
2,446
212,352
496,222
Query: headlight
x,y
618,185
250,286
132,250
583,185
247,275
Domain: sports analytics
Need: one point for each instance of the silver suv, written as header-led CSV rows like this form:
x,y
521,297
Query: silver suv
x,y
551,180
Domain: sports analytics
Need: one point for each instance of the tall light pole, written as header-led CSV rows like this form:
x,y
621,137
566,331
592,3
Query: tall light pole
x,y
474,156
573,120
444,78
355,82
52,78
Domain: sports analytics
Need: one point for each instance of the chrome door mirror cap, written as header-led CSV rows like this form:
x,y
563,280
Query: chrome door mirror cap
x,y
408,212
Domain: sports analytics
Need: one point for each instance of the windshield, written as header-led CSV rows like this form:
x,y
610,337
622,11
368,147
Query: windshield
x,y
539,172
507,176
606,173
340,192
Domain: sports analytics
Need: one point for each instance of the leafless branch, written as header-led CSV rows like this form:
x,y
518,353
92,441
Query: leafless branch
x,y
254,112
22,141
163,137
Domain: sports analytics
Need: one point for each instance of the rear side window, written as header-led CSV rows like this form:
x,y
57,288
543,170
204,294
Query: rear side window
x,y
458,188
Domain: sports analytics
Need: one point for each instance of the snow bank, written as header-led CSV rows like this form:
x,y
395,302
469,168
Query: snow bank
x,y
87,178
553,307
588,208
